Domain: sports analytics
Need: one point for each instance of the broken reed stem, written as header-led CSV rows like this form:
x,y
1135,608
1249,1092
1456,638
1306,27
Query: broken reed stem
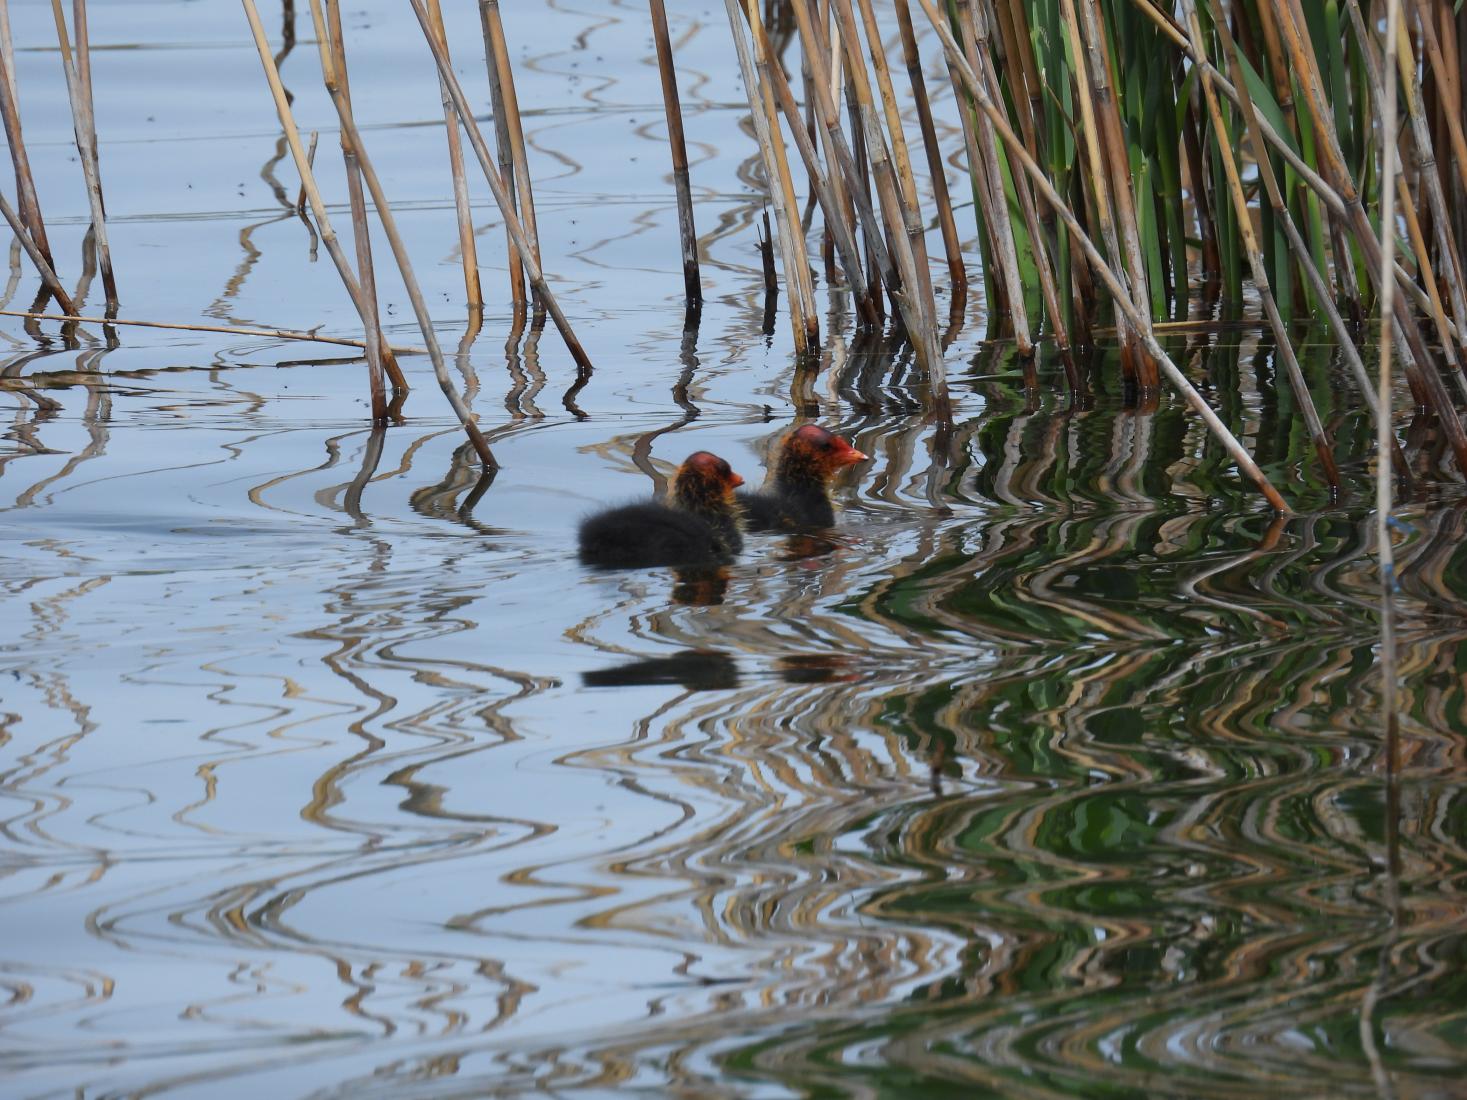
x,y
1383,505
914,298
7,51
1426,383
788,232
1117,162
1113,283
501,195
1038,244
85,129
27,203
43,266
838,149
394,238
936,166
329,39
1426,163
308,181
233,330
518,298
467,247
300,198
1283,345
975,44
1428,175
911,206
1297,245
844,238
682,184
509,99
786,217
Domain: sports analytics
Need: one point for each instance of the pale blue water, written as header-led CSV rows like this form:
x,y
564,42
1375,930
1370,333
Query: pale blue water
x,y
315,792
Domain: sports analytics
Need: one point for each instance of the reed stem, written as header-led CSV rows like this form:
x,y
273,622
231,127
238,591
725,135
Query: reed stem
x,y
467,246
1117,288
389,228
331,44
501,195
509,106
235,330
43,266
682,184
84,127
26,201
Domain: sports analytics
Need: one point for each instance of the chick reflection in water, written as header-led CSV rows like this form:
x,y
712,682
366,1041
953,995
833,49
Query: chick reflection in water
x,y
712,670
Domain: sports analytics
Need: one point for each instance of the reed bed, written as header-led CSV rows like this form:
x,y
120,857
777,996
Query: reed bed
x,y
1131,164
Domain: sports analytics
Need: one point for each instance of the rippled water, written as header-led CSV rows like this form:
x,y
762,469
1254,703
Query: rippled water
x,y
325,770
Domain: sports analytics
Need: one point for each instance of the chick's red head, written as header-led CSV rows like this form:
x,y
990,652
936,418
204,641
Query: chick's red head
x,y
824,448
710,470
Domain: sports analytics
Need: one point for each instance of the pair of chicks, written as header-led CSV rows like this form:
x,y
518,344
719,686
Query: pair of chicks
x,y
704,521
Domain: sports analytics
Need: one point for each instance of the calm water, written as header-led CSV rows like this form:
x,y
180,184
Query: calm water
x,y
325,770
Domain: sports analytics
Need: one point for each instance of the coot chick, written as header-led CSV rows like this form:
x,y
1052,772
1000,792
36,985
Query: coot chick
x,y
698,527
800,495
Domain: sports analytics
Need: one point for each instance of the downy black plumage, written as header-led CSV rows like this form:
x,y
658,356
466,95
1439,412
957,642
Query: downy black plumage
x,y
699,525
799,496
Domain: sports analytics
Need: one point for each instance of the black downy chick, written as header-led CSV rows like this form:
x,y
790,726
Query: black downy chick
x,y
799,497
698,527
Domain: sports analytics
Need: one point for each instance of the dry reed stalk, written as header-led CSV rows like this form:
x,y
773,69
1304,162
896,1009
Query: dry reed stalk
x,y
1117,161
1427,171
914,296
331,71
300,198
1276,198
313,194
912,222
1039,240
1013,32
825,84
233,330
1117,288
85,128
467,247
900,157
1435,307
1443,73
764,63
936,166
509,106
1383,507
1283,345
330,42
83,39
682,184
997,292
43,266
974,42
1091,159
1375,82
7,51
501,195
518,298
1280,145
841,233
1426,386
26,201
786,213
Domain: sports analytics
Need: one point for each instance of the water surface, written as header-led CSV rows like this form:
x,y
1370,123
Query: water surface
x,y
1056,769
